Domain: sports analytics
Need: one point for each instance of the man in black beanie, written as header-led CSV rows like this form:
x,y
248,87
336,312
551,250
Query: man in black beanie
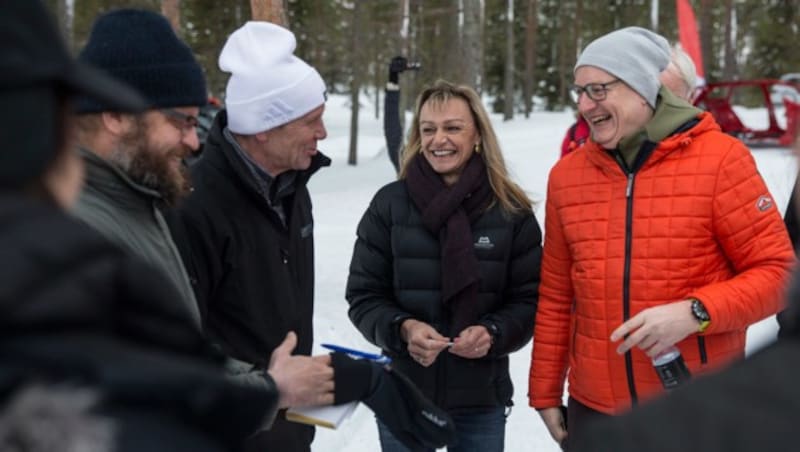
x,y
134,162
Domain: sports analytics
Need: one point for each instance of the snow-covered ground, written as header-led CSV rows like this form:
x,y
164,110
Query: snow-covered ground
x,y
342,192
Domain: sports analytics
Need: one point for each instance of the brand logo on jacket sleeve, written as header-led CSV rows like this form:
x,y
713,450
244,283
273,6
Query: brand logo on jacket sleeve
x,y
764,203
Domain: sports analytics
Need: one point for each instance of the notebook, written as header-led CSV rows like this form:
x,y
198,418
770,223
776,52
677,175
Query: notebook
x,y
330,416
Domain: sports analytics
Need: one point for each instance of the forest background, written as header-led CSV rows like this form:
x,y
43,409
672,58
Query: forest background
x,y
518,53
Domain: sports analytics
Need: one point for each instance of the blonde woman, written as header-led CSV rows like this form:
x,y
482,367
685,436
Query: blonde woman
x,y
445,269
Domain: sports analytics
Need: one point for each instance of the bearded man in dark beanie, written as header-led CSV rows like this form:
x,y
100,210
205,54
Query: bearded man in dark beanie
x,y
134,162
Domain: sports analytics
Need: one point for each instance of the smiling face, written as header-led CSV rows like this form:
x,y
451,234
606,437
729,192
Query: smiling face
x,y
448,136
621,114
293,145
152,149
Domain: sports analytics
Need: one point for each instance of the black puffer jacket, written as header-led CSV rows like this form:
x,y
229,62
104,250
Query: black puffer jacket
x,y
395,275
78,310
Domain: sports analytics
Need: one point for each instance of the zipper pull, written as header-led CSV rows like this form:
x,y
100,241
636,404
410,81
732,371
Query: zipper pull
x,y
629,189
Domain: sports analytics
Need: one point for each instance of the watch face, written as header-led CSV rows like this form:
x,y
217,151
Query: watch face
x,y
699,311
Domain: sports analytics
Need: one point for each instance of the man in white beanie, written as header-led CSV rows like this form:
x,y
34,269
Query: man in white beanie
x,y
246,231
659,232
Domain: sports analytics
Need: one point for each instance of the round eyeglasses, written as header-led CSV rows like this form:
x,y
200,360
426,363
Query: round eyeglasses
x,y
596,91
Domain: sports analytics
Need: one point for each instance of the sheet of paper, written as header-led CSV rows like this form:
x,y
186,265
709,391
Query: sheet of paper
x,y
330,416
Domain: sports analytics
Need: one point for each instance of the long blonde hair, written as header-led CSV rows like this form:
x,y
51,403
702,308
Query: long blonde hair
x,y
512,197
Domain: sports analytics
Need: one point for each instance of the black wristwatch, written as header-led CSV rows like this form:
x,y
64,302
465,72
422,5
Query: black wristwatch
x,y
699,312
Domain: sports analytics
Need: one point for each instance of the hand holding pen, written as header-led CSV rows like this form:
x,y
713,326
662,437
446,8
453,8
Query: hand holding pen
x,y
472,343
424,342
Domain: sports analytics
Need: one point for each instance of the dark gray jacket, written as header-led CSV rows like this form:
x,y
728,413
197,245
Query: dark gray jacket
x,y
130,215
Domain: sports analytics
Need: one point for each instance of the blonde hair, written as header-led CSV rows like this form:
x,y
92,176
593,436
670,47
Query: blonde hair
x,y
512,197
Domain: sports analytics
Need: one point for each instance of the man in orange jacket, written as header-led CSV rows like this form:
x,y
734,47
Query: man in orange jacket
x,y
669,236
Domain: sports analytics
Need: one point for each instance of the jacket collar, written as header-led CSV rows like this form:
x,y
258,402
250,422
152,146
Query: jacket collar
x,y
674,126
110,180
219,151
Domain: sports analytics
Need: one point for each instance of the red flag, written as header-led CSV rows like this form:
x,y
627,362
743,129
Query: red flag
x,y
690,40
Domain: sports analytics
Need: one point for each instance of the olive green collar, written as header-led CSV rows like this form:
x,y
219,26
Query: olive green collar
x,y
671,113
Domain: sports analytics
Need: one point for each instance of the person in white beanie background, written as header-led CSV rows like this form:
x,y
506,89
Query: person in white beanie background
x,y
246,231
659,231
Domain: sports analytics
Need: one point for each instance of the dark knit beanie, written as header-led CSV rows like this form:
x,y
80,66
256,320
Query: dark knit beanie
x,y
139,47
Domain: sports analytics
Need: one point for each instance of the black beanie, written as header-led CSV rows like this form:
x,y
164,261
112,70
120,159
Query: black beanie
x,y
140,48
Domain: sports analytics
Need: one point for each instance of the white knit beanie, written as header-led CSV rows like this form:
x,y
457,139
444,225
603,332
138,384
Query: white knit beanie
x,y
634,55
269,86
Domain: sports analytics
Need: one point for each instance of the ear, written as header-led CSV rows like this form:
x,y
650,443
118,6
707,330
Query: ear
x,y
116,123
262,137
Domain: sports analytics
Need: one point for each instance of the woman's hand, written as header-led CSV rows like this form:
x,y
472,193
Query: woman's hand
x,y
424,342
472,343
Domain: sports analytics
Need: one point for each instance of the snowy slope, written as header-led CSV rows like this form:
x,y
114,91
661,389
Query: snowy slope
x,y
341,193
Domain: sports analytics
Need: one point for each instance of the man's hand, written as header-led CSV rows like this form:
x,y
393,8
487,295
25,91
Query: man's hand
x,y
301,380
554,420
656,328
472,343
424,342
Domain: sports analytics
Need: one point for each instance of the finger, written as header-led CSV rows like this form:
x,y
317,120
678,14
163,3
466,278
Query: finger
x,y
632,340
326,387
322,359
633,323
656,349
647,342
325,399
438,344
288,344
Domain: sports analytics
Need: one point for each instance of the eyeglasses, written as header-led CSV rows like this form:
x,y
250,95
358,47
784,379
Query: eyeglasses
x,y
182,121
595,91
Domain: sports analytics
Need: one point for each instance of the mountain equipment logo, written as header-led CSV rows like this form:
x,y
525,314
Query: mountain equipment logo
x,y
434,418
484,243
764,203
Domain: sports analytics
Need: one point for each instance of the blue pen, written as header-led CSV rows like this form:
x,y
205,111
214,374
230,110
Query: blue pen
x,y
380,359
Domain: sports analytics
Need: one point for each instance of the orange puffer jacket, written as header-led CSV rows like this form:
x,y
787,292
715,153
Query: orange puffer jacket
x,y
696,220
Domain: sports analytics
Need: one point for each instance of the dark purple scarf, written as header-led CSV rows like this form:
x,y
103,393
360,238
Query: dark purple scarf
x,y
448,213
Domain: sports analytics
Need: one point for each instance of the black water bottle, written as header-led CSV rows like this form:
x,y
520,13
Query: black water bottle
x,y
670,368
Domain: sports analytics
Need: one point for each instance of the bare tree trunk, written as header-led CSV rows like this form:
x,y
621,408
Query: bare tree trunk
x,y
270,11
171,9
531,30
706,35
472,43
355,82
730,72
508,79
65,11
654,15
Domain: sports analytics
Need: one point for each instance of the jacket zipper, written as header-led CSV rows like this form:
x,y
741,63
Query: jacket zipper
x,y
645,150
701,344
626,301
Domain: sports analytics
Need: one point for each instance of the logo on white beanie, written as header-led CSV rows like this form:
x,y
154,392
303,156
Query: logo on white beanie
x,y
269,86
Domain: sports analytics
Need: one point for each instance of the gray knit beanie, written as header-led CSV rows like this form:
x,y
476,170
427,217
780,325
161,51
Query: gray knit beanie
x,y
634,55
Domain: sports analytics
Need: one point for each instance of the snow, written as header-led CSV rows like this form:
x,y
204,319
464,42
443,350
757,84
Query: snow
x,y
342,192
